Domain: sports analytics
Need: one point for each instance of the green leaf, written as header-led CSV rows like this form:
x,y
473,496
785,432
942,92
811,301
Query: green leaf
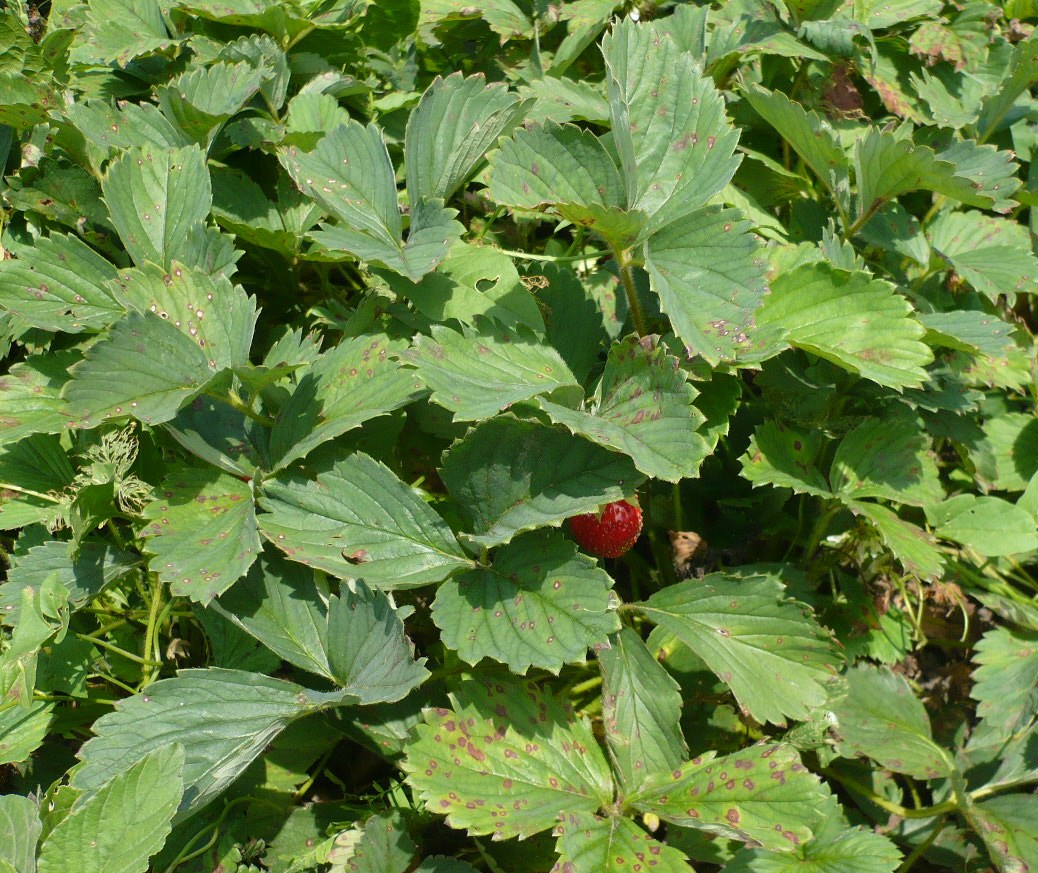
x,y
485,369
22,732
450,130
880,14
472,281
20,828
358,380
851,319
709,279
807,133
85,574
568,169
591,844
218,434
123,823
509,476
110,129
200,100
359,521
969,330
762,794
218,316
508,760
881,719
990,525
349,173
120,31
676,145
368,654
887,457
157,197
993,171
382,845
992,254
643,408
1006,456
1019,74
242,207
784,456
1009,826
539,604
281,606
641,708
61,287
835,848
886,167
768,649
914,547
202,533
1006,682
145,367
222,718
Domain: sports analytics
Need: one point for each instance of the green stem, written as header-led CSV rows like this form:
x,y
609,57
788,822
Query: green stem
x,y
557,259
586,685
919,850
115,650
863,218
814,539
233,400
897,809
28,492
623,262
151,632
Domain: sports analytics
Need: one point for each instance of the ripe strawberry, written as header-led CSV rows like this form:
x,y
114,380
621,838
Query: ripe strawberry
x,y
610,533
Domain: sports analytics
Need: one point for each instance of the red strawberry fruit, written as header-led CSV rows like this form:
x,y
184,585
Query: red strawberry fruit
x,y
610,533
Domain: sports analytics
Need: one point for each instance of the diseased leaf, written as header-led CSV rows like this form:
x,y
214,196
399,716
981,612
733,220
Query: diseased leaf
x,y
30,396
359,521
914,547
510,476
641,710
592,844
761,794
784,455
1009,826
382,845
540,603
481,371
881,719
507,760
710,281
1006,682
202,533
769,650
643,408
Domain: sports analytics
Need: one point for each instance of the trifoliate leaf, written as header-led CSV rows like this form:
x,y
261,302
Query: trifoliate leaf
x,y
641,708
990,525
222,718
200,100
146,367
761,794
123,823
242,207
203,532
61,287
1006,681
881,719
643,408
485,369
848,850
509,476
157,198
358,380
676,145
849,318
768,649
507,760
540,603
359,521
450,130
591,844
710,281
914,547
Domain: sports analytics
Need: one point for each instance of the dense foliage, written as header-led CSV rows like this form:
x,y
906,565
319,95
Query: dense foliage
x,y
319,319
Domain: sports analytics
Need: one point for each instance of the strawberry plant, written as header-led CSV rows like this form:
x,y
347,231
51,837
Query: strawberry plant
x,y
577,436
